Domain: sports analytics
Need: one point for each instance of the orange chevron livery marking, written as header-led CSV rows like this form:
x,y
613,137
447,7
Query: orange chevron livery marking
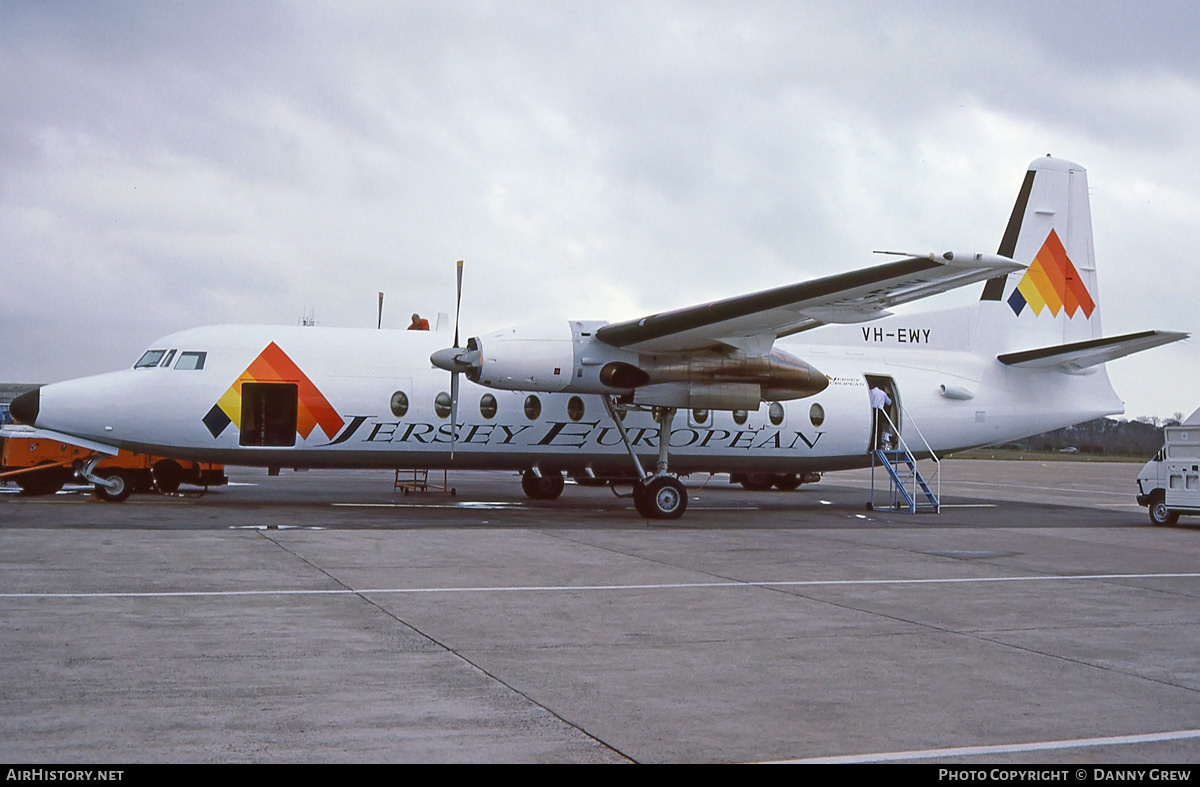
x,y
1051,281
274,366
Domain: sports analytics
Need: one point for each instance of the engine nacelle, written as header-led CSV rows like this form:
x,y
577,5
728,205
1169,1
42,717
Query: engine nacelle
x,y
551,357
535,357
567,357
712,380
780,375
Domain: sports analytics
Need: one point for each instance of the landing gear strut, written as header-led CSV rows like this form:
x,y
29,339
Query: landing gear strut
x,y
656,495
112,486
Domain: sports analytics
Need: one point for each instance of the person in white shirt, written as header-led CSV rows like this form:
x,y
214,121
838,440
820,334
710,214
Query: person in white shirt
x,y
883,433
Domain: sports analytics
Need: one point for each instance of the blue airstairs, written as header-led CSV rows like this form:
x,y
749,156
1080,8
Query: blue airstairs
x,y
907,489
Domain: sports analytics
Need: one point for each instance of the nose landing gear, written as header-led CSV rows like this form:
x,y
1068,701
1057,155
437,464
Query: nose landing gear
x,y
113,486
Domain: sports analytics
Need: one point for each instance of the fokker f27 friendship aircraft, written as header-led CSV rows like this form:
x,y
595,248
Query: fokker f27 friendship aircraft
x,y
772,382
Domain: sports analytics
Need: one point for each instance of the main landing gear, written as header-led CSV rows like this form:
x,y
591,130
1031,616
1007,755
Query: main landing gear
x,y
660,497
656,495
539,486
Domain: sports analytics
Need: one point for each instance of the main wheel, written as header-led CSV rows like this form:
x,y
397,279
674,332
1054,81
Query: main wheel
x,y
788,482
1159,513
121,489
663,497
758,482
548,487
641,502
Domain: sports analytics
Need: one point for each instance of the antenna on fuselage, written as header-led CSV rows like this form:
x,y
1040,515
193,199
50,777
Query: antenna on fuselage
x,y
379,324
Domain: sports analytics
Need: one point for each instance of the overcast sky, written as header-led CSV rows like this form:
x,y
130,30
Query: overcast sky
x,y
168,165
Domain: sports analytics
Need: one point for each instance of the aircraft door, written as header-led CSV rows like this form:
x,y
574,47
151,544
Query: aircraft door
x,y
885,412
269,414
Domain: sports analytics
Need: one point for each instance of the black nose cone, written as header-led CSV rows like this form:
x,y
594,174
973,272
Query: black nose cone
x,y
25,407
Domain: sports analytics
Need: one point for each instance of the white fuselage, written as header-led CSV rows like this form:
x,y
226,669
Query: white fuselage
x,y
953,392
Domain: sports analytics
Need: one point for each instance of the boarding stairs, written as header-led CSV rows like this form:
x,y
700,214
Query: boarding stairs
x,y
907,489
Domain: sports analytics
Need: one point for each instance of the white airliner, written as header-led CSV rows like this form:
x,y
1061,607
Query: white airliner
x,y
772,382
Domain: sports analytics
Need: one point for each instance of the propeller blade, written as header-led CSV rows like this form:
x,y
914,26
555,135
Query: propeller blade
x,y
454,374
458,303
453,411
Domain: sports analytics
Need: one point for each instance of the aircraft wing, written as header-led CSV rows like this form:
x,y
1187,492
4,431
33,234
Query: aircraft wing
x,y
753,322
1080,355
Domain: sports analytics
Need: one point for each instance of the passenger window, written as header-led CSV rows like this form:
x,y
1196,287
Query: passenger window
x,y
150,359
441,405
399,404
533,407
816,414
776,413
191,361
740,416
575,408
487,406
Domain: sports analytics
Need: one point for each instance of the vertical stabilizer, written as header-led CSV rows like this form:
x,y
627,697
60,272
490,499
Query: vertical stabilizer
x,y
1056,300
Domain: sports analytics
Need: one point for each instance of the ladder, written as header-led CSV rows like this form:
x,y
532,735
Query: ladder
x,y
907,488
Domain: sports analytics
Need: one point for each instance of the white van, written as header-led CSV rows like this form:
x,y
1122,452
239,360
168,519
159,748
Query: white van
x,y
1169,484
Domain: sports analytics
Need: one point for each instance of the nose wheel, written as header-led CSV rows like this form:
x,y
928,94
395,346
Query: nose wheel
x,y
113,486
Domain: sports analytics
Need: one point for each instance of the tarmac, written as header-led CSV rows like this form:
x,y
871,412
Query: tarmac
x,y
327,617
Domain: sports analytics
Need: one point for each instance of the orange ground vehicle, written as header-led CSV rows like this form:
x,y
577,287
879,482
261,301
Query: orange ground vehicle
x,y
41,467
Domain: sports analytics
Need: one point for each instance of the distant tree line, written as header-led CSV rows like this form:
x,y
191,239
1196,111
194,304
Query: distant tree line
x,y
1140,437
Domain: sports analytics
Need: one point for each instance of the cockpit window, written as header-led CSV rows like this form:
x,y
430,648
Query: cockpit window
x,y
167,361
151,358
191,360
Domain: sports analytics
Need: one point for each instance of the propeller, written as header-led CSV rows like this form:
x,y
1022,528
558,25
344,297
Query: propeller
x,y
454,375
456,360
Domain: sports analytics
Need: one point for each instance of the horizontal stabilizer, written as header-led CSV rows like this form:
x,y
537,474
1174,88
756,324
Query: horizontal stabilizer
x,y
1077,356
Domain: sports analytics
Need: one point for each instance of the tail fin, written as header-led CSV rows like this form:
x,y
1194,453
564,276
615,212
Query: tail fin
x,y
1056,300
